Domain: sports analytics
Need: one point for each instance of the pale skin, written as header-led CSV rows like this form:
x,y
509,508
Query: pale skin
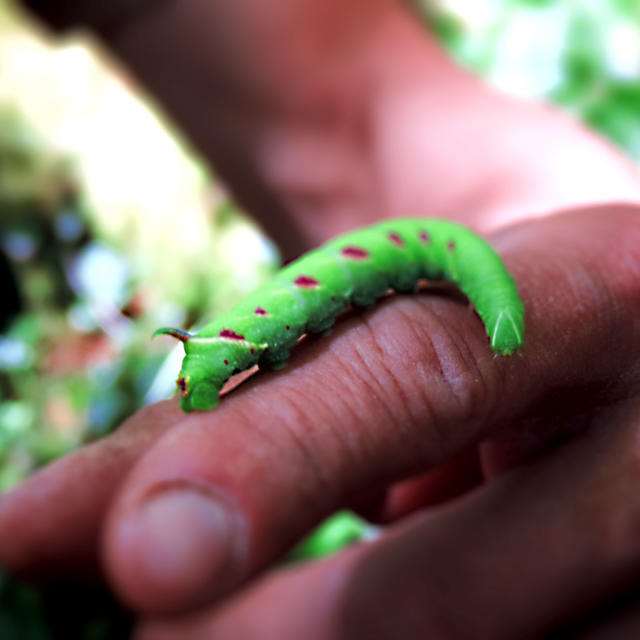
x,y
355,116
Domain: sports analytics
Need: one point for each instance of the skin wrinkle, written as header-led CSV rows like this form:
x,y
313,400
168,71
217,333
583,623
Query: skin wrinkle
x,y
394,418
587,281
350,433
375,345
419,337
481,403
474,364
461,384
466,404
294,413
302,408
261,441
462,391
347,353
351,380
613,309
365,376
425,394
262,435
336,406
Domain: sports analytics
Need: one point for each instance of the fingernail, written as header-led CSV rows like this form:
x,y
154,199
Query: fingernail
x,y
182,543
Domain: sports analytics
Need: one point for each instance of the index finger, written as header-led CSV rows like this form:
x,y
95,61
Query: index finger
x,y
396,390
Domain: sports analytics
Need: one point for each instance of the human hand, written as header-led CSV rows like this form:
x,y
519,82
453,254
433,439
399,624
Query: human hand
x,y
409,387
327,115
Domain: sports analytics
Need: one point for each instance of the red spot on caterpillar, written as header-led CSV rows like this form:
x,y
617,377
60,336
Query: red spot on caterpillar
x,y
226,361
306,282
424,237
396,239
451,246
287,327
252,350
260,312
355,253
230,334
333,298
182,384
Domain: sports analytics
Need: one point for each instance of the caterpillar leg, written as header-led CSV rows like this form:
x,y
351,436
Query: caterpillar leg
x,y
322,327
275,360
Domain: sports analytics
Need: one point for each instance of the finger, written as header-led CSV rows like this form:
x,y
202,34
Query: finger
x,y
454,477
395,392
258,612
520,556
50,524
515,559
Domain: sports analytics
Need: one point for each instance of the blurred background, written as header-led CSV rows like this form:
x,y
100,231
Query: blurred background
x,y
96,190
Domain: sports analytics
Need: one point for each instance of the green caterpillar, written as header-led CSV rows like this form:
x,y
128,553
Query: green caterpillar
x,y
354,269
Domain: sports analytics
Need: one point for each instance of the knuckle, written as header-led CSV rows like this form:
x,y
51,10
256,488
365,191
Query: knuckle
x,y
422,364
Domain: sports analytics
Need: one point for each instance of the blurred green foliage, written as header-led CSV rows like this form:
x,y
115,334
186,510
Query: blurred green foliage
x,y
64,611
56,392
76,357
584,56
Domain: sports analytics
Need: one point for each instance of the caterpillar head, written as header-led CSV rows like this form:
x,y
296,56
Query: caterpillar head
x,y
209,362
198,386
196,394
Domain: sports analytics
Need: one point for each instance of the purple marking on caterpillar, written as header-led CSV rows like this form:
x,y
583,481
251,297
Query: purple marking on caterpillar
x,y
230,334
424,237
451,246
355,253
306,282
260,312
396,239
